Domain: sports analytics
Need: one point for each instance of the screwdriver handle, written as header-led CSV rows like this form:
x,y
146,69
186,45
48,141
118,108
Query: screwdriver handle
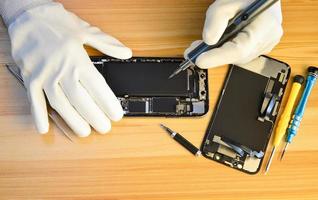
x,y
300,110
287,113
186,144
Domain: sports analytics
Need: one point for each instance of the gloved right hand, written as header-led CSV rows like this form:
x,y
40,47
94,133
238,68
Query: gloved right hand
x,y
47,44
257,38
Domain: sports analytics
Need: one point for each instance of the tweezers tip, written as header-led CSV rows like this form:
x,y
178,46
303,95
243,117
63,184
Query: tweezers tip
x,y
171,76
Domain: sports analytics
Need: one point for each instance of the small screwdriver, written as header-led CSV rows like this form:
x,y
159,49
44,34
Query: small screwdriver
x,y
285,117
300,110
181,140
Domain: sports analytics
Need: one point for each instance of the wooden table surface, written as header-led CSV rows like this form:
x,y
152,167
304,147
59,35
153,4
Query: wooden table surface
x,y
137,160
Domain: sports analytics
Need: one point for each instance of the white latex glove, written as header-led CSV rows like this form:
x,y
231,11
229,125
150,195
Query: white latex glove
x,y
47,44
258,38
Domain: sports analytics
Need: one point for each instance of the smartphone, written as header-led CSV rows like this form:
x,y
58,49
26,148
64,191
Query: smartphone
x,y
142,86
243,120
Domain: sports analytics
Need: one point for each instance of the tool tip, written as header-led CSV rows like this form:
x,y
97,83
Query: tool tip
x,y
184,65
171,76
163,126
166,128
177,71
281,157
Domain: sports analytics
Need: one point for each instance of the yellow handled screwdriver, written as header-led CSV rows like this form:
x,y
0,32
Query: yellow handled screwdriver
x,y
285,117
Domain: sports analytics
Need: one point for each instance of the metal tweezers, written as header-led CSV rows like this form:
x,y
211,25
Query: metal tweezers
x,y
54,116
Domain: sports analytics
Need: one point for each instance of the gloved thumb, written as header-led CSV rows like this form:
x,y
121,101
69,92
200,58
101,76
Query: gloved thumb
x,y
107,44
218,16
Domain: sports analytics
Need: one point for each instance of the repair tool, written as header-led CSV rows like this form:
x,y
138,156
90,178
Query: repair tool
x,y
14,70
300,110
285,117
236,24
181,140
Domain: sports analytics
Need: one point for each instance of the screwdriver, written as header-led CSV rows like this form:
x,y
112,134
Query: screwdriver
x,y
235,25
182,141
285,117
300,110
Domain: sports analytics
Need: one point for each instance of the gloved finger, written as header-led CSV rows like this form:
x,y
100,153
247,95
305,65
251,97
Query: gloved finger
x,y
107,44
98,89
264,50
267,49
218,16
60,103
230,52
264,44
192,46
84,104
38,105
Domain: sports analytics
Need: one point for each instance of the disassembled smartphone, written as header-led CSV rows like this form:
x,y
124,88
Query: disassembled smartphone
x,y
244,117
143,88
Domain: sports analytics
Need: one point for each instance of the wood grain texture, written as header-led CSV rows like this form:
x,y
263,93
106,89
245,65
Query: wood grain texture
x,y
137,160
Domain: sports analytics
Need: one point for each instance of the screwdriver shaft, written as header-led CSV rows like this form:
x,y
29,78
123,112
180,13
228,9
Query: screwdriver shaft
x,y
285,148
270,159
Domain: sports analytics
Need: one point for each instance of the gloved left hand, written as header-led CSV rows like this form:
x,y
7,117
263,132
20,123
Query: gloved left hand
x,y
47,44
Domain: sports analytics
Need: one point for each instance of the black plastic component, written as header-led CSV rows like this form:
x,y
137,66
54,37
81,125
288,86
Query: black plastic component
x,y
299,79
164,104
313,69
137,106
145,79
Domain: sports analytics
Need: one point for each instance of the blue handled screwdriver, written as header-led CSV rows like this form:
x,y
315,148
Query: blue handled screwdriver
x,y
235,25
300,110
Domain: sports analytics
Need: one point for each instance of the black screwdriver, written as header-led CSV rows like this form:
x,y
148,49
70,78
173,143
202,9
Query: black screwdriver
x,y
181,140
